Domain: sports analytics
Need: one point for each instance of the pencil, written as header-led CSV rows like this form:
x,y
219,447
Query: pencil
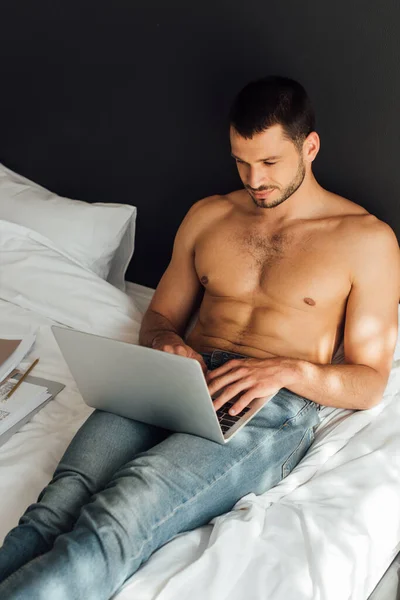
x,y
10,393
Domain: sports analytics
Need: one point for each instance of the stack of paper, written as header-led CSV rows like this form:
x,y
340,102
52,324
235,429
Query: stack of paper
x,y
21,403
13,350
29,397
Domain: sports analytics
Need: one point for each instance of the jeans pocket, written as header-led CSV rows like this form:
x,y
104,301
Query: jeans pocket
x,y
298,453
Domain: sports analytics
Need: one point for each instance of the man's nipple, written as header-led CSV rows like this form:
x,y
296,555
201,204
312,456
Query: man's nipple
x,y
309,301
204,280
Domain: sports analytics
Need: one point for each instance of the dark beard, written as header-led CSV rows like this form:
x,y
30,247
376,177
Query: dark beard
x,y
287,192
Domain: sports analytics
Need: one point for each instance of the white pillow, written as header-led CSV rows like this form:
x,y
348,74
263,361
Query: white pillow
x,y
100,236
37,276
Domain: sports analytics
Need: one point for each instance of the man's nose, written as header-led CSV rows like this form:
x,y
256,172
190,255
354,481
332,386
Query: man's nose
x,y
255,179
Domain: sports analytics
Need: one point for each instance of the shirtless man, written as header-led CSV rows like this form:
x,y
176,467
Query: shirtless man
x,y
281,270
287,268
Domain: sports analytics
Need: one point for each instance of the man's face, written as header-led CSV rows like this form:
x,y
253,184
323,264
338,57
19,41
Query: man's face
x,y
270,166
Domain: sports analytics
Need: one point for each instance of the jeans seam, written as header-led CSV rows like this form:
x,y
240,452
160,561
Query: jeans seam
x,y
297,449
207,488
303,410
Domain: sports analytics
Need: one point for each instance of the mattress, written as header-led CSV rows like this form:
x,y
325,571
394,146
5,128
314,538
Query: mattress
x,y
326,532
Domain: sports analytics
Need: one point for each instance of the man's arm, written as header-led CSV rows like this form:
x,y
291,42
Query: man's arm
x,y
177,295
369,340
370,331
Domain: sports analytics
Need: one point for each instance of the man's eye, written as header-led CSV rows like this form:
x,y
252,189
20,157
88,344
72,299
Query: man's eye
x,y
269,163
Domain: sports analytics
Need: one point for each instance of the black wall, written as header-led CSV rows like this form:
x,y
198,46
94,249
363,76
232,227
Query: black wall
x,y
125,101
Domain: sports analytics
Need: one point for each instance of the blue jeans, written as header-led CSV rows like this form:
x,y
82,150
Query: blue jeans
x,y
124,488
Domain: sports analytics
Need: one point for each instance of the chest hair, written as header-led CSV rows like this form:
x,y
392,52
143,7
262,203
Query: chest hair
x,y
265,249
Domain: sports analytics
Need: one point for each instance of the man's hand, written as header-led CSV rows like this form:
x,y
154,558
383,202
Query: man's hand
x,y
174,344
251,377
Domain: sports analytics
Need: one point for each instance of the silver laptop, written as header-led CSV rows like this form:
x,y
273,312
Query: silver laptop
x,y
148,385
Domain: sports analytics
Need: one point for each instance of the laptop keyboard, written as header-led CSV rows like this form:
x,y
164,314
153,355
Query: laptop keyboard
x,y
226,420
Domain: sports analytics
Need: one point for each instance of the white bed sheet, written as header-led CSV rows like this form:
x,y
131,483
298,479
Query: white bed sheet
x,y
326,532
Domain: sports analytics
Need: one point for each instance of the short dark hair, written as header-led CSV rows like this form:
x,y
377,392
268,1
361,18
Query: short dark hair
x,y
270,101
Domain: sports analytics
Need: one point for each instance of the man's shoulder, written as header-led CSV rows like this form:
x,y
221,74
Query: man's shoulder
x,y
343,208
368,242
202,215
216,203
357,222
364,227
208,210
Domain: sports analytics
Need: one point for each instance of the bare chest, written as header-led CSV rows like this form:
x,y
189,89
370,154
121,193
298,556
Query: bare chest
x,y
305,269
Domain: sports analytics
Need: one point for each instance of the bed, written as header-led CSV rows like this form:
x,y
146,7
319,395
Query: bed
x,y
328,531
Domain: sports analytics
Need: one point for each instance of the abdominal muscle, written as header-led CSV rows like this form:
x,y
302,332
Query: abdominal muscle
x,y
265,331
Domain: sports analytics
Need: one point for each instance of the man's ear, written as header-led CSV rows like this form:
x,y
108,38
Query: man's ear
x,y
311,146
